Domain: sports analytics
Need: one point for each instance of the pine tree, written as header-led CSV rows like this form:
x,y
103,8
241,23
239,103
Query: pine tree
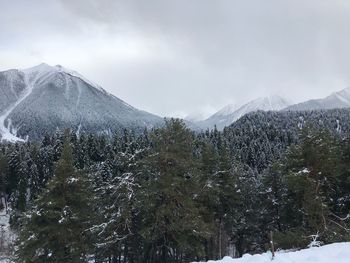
x,y
310,174
3,181
115,190
207,197
225,186
55,230
174,228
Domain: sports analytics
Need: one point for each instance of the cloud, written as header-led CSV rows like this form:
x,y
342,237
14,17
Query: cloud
x,y
178,57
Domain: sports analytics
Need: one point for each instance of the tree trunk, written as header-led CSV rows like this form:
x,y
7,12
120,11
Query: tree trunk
x,y
272,245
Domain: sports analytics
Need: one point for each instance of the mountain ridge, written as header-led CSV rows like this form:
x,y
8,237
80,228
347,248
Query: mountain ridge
x,y
339,99
47,98
230,113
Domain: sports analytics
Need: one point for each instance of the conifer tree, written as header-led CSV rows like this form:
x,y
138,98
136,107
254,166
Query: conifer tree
x,y
174,228
115,190
310,178
3,181
55,230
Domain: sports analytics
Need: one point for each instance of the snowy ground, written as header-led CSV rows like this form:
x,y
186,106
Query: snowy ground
x,y
6,238
337,253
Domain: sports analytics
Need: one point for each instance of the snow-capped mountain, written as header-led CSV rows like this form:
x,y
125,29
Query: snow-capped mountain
x,y
46,98
340,99
231,113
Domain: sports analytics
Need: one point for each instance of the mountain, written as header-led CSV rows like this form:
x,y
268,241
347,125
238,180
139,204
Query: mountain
x,y
340,99
231,113
46,98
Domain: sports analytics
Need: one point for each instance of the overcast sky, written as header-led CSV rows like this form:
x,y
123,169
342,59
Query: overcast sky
x,y
176,57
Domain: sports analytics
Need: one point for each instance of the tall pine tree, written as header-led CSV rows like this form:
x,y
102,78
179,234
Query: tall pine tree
x,y
55,230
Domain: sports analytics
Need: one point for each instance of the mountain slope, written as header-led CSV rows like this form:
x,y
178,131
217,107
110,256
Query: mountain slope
x,y
231,113
259,138
45,98
340,99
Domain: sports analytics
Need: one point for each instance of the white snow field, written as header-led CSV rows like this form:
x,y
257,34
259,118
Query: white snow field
x,y
333,253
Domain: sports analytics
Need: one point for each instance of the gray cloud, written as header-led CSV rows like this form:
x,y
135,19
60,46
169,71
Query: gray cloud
x,y
178,57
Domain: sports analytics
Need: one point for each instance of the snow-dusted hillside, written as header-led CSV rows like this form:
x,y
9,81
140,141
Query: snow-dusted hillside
x,y
334,253
340,99
43,98
231,113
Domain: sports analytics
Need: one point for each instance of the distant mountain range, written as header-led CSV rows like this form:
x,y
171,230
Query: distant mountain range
x,y
231,113
336,100
46,98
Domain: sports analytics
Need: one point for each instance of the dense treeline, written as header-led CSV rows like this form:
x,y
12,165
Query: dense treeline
x,y
170,195
309,191
259,138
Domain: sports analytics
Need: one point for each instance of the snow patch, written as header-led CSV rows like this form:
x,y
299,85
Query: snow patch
x,y
338,129
337,252
5,130
74,73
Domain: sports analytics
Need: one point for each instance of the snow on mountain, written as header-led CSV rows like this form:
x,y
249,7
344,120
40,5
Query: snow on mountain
x,y
227,110
340,99
231,113
46,98
195,117
337,252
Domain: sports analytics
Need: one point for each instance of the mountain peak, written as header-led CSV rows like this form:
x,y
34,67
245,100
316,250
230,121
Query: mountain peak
x,y
232,112
339,99
228,109
45,98
42,67
272,102
345,91
45,69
